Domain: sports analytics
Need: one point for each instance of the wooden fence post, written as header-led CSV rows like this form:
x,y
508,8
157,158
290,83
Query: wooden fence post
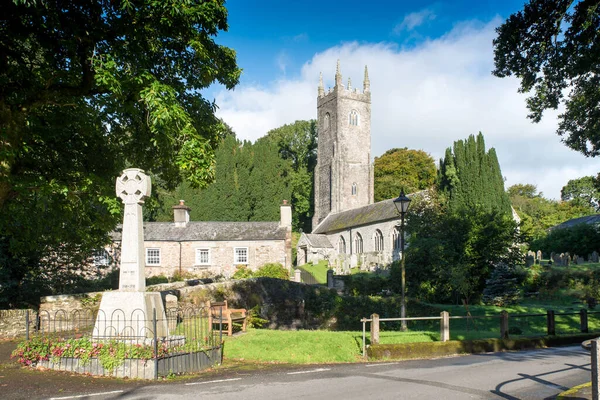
x,y
504,324
595,366
375,329
551,323
583,320
444,326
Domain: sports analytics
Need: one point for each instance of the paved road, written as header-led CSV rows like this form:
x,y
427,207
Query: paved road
x,y
539,374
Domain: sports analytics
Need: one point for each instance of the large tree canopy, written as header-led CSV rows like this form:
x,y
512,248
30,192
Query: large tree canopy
x,y
583,191
396,169
86,89
553,47
538,213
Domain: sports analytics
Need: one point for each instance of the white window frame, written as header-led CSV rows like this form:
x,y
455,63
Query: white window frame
x,y
101,258
151,257
199,251
237,259
378,241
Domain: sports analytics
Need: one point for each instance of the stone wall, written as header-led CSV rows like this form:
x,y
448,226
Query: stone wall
x,y
12,322
70,302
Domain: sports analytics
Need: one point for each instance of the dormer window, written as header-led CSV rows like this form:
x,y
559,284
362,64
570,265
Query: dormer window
x,y
353,118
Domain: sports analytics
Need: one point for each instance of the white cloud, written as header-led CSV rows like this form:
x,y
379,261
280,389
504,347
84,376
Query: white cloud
x,y
424,97
413,20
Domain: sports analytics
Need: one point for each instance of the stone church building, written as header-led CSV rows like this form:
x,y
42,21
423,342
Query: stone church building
x,y
349,229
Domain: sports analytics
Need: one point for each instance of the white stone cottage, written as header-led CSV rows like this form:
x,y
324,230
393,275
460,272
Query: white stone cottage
x,y
212,248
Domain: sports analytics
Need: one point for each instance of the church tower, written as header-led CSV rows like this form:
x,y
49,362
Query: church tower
x,y
344,174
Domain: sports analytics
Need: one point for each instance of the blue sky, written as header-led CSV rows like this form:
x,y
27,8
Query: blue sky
x,y
268,35
429,65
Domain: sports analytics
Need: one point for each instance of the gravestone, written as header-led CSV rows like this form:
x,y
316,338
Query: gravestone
x,y
595,256
539,257
529,260
129,311
557,259
580,260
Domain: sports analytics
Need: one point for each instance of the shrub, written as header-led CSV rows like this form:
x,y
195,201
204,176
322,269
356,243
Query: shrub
x,y
155,280
503,286
581,239
242,272
272,270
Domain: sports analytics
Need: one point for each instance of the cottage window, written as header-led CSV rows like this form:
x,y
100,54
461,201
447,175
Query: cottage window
x,y
202,256
152,256
240,255
378,240
101,258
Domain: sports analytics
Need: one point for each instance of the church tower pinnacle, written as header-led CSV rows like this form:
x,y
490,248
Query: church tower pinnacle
x,y
321,88
338,75
366,81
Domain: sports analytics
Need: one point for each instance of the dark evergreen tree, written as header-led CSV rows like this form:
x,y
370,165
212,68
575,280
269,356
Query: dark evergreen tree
x,y
297,143
503,287
471,177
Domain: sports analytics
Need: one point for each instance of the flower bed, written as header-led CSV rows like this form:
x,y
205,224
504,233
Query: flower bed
x,y
119,358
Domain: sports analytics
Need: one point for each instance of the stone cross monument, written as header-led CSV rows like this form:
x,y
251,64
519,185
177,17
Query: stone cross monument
x,y
128,313
133,187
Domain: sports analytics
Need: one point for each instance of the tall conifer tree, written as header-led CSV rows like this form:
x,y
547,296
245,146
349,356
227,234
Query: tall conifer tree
x,y
471,177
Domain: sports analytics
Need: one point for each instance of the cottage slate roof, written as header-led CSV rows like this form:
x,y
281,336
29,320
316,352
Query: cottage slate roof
x,y
318,241
209,231
590,219
381,211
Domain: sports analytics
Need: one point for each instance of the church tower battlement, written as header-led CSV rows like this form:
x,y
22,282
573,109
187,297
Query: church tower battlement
x,y
344,173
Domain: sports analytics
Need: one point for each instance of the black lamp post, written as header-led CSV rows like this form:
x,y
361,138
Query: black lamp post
x,y
402,203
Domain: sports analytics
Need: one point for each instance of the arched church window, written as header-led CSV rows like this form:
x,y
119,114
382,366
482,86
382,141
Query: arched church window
x,y
358,243
378,240
354,189
327,122
353,118
341,245
396,238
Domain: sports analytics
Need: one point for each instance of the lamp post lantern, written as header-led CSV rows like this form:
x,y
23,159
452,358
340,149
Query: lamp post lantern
x,y
402,203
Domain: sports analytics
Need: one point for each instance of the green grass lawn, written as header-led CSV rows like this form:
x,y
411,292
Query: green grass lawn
x,y
319,271
308,347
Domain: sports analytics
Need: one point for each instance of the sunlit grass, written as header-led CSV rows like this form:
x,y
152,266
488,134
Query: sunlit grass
x,y
319,271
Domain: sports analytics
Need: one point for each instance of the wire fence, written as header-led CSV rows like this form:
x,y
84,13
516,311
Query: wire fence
x,y
133,345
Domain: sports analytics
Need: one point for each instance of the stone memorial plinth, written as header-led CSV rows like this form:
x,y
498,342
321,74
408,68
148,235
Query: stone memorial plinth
x,y
128,313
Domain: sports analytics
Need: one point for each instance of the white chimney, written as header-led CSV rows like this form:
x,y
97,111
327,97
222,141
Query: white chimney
x,y
181,214
286,214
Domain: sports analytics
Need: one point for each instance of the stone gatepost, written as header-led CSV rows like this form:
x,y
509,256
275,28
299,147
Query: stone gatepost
x,y
595,367
129,311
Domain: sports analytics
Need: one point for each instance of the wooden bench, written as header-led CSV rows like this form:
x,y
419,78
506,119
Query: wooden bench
x,y
219,312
